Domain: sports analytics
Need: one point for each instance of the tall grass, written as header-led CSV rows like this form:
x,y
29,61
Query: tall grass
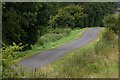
x,y
97,60
43,41
54,38
53,35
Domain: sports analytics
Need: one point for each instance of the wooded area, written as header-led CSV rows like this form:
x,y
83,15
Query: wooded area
x,y
25,22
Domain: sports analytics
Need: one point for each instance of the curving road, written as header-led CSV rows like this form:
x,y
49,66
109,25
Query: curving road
x,y
49,56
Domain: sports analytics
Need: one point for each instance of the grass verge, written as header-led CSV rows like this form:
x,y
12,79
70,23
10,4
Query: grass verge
x,y
97,60
74,34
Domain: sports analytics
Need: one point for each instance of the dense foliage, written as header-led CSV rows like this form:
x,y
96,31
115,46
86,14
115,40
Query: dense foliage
x,y
68,16
7,59
96,12
21,22
112,22
25,22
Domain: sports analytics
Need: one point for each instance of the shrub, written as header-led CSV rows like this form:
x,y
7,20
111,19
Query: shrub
x,y
53,35
112,22
8,59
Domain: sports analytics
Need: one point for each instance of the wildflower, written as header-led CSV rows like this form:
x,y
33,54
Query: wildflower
x,y
77,67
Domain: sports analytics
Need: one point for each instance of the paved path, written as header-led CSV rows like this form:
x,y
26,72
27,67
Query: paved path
x,y
54,54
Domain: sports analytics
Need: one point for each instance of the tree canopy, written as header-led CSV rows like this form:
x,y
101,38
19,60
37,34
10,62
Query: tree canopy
x,y
25,22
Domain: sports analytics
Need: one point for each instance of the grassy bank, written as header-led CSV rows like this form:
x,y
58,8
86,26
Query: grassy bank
x,y
53,39
99,59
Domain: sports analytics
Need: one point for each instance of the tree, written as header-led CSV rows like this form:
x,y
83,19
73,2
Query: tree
x,y
20,22
25,22
96,12
68,16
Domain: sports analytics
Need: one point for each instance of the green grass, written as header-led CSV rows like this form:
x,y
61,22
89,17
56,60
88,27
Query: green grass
x,y
53,39
99,59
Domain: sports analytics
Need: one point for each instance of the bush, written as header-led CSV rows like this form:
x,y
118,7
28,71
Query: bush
x,y
112,22
53,35
8,59
108,34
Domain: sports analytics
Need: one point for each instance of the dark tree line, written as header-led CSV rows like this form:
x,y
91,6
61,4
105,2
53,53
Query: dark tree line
x,y
24,22
96,12
21,22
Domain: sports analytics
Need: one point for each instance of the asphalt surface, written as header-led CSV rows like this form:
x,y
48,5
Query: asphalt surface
x,y
49,56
